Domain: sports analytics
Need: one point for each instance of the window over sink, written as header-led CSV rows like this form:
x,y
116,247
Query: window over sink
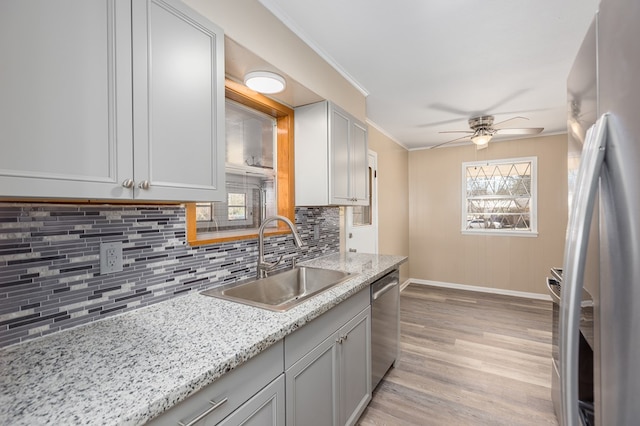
x,y
259,170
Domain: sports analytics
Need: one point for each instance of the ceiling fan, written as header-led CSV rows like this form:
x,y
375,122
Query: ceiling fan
x,y
483,130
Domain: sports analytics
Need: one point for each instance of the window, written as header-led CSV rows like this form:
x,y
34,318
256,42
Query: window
x,y
236,206
259,171
499,197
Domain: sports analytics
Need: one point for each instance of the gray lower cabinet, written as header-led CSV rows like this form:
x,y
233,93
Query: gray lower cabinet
x,y
326,380
330,384
354,353
252,394
266,408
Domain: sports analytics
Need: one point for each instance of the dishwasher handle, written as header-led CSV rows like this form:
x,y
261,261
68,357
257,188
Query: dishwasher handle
x,y
384,289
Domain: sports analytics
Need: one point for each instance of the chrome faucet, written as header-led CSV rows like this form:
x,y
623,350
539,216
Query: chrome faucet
x,y
264,267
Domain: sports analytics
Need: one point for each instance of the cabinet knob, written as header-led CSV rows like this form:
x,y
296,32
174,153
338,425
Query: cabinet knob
x,y
144,184
128,183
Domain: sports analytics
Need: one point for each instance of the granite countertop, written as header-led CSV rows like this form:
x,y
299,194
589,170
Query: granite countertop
x,y
127,369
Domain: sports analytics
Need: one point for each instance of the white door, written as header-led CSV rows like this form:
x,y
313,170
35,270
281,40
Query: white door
x,y
361,224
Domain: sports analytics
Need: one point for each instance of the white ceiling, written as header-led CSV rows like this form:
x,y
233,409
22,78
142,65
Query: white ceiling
x,y
430,65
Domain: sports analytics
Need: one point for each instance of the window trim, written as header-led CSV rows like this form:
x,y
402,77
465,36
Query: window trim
x,y
533,218
285,163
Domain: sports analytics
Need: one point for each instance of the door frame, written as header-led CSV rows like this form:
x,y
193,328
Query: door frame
x,y
372,162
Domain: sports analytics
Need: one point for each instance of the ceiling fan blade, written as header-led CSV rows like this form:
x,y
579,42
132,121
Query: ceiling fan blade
x,y
510,119
457,131
454,140
523,131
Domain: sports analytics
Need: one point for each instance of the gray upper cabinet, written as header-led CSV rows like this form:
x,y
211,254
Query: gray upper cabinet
x,y
178,100
109,99
330,156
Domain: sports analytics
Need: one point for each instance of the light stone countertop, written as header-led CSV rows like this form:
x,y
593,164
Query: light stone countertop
x,y
127,369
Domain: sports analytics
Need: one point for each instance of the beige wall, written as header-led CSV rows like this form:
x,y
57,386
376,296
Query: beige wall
x,y
439,252
393,197
250,24
426,198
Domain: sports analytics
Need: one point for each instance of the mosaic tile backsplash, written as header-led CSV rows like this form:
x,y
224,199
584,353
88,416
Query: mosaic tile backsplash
x,y
50,261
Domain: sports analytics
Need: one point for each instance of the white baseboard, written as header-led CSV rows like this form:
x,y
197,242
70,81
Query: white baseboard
x,y
405,284
491,290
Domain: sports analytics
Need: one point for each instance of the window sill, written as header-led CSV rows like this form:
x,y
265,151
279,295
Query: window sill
x,y
223,237
499,233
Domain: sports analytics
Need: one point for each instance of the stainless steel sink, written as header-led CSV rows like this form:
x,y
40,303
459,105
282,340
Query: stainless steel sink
x,y
282,291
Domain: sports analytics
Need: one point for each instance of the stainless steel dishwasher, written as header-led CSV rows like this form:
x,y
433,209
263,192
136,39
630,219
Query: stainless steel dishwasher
x,y
385,325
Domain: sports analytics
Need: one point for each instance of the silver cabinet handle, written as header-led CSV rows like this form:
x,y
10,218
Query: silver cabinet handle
x,y
144,184
214,406
128,183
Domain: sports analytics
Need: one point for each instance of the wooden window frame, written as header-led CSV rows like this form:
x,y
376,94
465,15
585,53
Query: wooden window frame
x,y
285,173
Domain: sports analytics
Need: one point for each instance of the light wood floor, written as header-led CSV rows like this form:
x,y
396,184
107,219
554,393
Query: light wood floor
x,y
467,358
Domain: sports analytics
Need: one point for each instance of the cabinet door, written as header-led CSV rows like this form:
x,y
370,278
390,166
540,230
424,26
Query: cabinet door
x,y
65,98
178,103
340,157
360,164
311,385
354,352
266,408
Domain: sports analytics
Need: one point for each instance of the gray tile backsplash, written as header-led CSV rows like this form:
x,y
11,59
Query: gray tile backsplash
x,y
50,268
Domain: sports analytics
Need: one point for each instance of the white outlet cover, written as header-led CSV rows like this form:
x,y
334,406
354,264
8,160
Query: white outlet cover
x,y
110,257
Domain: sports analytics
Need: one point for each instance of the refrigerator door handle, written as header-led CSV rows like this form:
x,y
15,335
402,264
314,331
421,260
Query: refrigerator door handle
x,y
575,255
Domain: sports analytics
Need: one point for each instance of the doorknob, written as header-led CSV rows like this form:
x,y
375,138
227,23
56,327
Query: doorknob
x,y
352,250
350,235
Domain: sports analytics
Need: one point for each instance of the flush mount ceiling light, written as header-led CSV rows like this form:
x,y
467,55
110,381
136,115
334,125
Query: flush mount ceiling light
x,y
264,82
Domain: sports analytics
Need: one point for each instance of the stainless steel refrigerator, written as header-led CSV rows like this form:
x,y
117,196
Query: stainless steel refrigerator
x,y
602,251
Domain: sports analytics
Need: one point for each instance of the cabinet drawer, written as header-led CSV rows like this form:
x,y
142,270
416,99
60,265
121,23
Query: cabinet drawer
x,y
303,340
236,387
266,408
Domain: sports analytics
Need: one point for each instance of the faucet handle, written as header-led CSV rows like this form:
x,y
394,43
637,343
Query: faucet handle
x,y
264,267
273,265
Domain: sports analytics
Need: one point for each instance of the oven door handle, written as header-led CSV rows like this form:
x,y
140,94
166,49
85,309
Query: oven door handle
x,y
575,256
554,291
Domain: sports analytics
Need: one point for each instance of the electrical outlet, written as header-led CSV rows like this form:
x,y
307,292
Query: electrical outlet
x,y
110,257
316,232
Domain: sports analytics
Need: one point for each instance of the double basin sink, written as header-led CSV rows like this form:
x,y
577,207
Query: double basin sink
x,y
282,291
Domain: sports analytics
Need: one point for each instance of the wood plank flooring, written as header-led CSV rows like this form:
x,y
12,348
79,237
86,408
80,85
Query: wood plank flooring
x,y
467,358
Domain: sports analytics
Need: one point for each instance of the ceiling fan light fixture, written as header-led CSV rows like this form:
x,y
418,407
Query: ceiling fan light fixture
x,y
265,82
481,137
